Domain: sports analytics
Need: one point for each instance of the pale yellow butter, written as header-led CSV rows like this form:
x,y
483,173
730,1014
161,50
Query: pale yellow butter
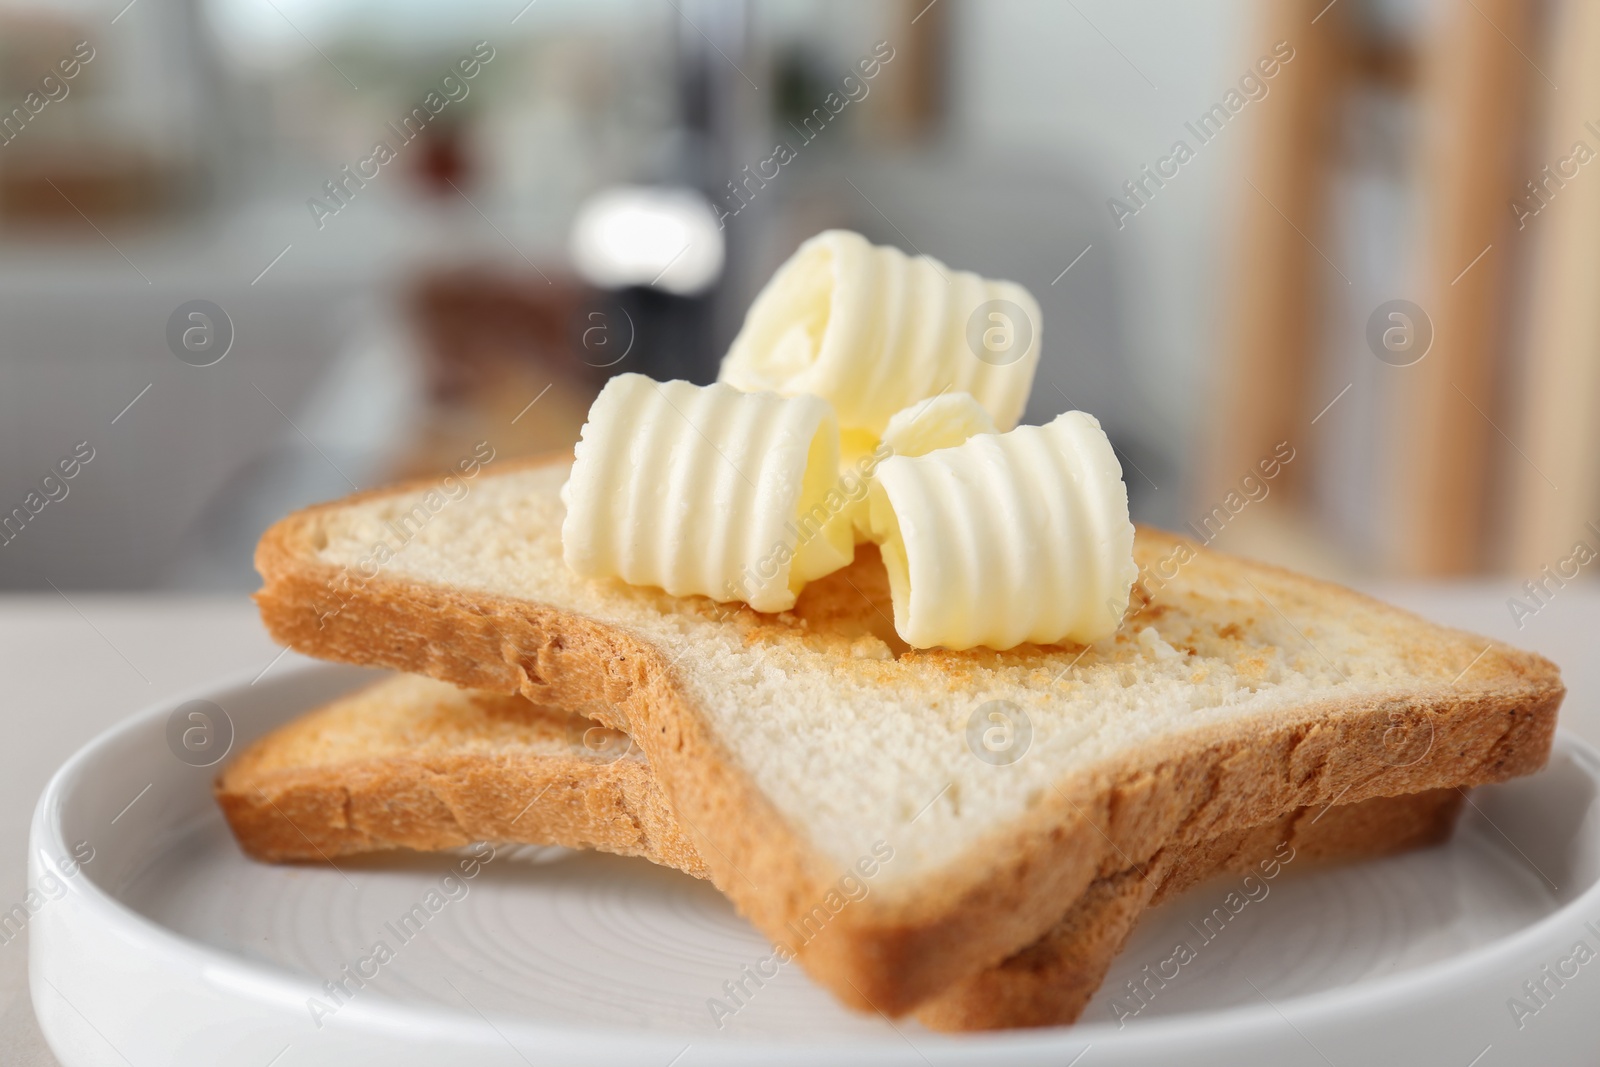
x,y
706,490
1007,538
872,330
938,422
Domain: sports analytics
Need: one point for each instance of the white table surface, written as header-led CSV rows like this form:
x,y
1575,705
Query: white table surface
x,y
73,669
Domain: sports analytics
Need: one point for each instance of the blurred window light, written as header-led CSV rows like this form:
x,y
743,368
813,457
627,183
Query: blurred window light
x,y
649,236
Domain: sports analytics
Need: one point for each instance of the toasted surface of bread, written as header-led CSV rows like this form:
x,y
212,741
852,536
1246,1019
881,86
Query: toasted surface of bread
x,y
415,763
790,747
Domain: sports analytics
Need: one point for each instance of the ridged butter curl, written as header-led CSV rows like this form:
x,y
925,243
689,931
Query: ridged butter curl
x,y
873,330
707,490
1007,538
938,422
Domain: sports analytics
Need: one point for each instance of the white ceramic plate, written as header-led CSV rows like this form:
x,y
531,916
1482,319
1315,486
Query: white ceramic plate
x,y
155,942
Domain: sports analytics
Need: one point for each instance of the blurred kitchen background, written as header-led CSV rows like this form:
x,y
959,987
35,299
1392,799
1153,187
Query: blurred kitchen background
x,y
1377,252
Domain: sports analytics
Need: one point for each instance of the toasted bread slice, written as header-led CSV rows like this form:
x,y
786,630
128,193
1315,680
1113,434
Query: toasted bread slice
x,y
1051,981
415,763
802,748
